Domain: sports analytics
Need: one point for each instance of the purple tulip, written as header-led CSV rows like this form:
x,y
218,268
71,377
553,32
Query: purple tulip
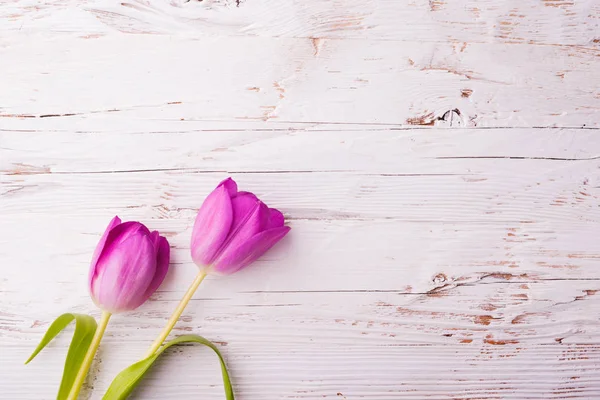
x,y
233,229
128,265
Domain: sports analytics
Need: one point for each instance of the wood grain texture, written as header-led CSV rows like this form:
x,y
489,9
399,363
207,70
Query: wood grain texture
x,y
291,80
548,22
438,161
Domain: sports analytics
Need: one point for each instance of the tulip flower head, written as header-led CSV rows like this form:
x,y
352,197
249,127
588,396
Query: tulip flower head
x,y
128,265
233,229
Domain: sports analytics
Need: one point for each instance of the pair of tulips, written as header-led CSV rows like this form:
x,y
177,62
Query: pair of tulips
x,y
232,229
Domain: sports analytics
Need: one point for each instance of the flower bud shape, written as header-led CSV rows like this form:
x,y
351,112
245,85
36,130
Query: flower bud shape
x,y
128,265
233,229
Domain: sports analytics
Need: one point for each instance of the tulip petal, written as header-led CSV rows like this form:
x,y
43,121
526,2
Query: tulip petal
x,y
127,269
244,193
249,251
212,224
230,185
243,205
118,235
155,238
124,231
162,264
276,218
255,220
100,246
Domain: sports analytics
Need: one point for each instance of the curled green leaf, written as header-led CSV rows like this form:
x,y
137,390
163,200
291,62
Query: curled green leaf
x,y
124,383
85,327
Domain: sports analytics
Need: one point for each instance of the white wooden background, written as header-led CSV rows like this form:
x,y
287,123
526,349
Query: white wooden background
x,y
438,161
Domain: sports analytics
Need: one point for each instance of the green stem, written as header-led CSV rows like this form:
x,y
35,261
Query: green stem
x,y
89,356
177,313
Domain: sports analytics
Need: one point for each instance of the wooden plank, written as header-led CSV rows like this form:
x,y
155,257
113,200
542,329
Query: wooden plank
x,y
209,147
306,371
495,310
283,80
469,21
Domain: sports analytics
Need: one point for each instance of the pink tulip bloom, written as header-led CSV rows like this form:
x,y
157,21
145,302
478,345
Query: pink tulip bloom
x,y
128,265
233,229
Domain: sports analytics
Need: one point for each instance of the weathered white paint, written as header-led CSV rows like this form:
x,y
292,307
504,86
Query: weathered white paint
x,y
297,80
439,162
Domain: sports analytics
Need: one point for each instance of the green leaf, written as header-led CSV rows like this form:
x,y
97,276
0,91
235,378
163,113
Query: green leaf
x,y
85,327
124,383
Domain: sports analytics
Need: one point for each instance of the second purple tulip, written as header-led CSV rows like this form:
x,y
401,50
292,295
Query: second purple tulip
x,y
233,229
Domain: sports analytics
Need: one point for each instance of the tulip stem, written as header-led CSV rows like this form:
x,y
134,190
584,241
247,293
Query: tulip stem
x,y
177,313
89,356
